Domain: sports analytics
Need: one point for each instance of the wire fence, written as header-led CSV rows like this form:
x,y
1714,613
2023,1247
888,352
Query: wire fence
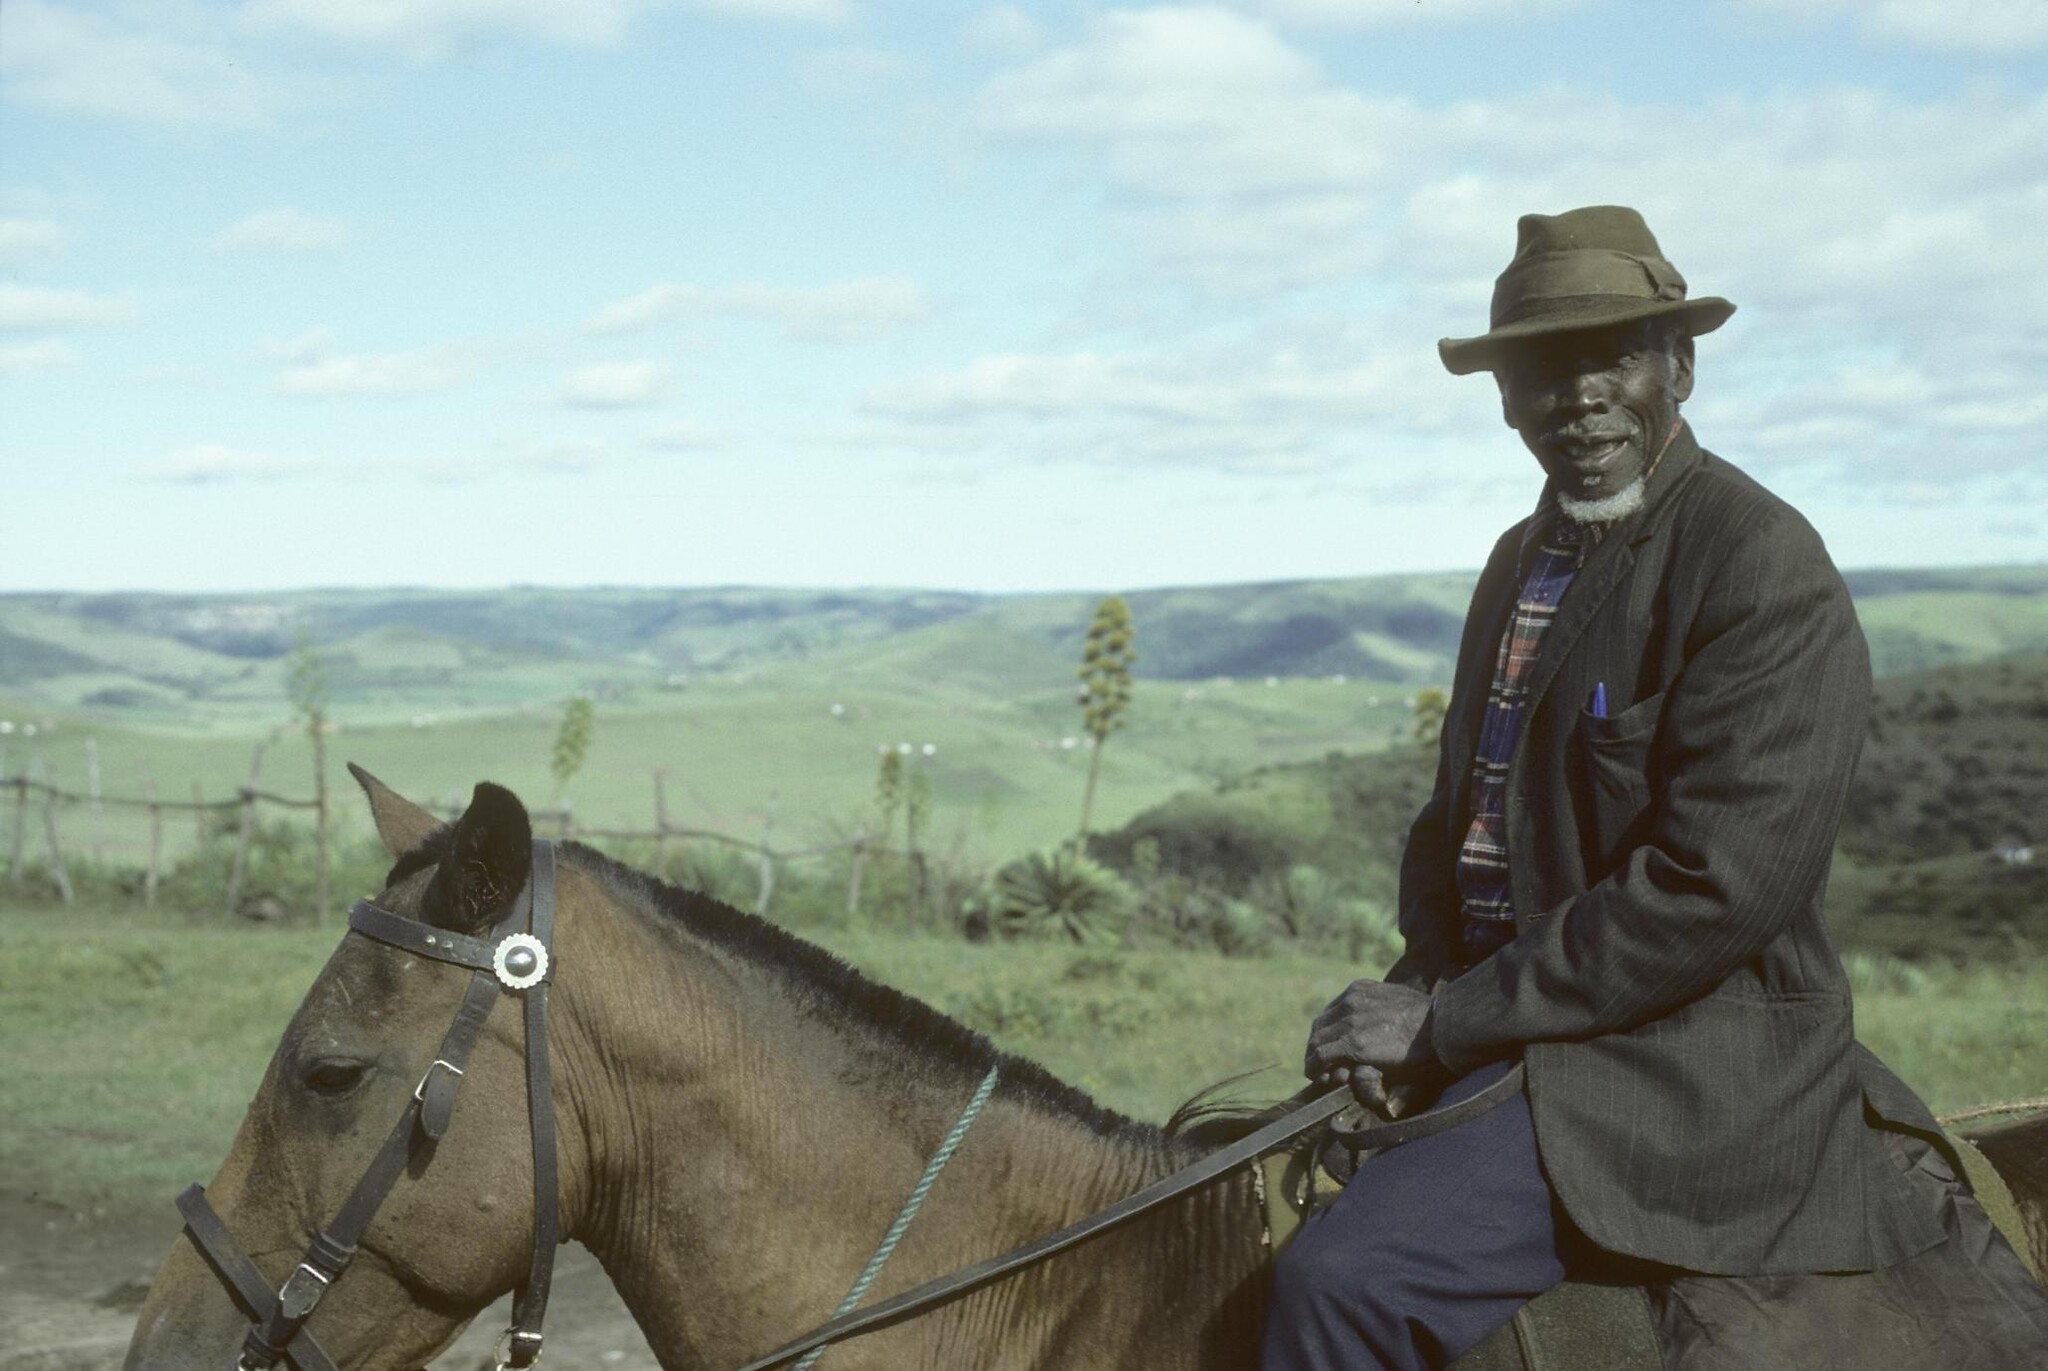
x,y
36,837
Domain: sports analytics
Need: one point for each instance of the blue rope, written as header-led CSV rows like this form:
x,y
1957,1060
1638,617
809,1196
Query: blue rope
x,y
910,1207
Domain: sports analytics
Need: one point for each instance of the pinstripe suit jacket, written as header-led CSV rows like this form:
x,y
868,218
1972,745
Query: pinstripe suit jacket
x,y
1698,1096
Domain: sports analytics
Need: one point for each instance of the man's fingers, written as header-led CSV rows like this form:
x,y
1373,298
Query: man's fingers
x,y
1369,1088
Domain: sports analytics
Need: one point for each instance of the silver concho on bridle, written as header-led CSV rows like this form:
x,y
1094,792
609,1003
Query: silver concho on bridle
x,y
520,962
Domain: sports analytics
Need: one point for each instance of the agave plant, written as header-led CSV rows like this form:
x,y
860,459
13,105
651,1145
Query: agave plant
x,y
1059,890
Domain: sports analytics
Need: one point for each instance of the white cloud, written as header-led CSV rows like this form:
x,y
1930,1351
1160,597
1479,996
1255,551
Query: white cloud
x,y
843,311
37,356
420,372
1995,28
217,463
1193,102
616,385
1178,387
1858,231
27,240
302,348
828,12
1005,31
1278,412
857,70
423,29
1390,13
284,229
156,65
685,437
25,308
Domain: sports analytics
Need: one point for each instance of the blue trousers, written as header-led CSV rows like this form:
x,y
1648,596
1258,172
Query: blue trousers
x,y
1432,1246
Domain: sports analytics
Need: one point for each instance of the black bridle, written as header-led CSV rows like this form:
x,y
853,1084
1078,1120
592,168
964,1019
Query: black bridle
x,y
517,955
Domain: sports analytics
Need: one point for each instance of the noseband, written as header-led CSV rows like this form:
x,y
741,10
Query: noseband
x,y
517,955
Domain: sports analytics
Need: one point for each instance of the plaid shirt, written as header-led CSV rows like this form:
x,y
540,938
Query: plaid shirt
x,y
1559,547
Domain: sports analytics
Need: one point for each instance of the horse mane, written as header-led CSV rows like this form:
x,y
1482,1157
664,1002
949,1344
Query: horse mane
x,y
1204,1120
942,1042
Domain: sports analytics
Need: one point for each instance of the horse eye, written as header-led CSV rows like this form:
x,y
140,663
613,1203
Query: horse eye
x,y
335,1075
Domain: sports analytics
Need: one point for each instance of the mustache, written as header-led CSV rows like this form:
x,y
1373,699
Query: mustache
x,y
1580,434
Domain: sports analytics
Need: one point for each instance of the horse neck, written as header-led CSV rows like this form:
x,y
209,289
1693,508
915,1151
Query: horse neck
x,y
745,1151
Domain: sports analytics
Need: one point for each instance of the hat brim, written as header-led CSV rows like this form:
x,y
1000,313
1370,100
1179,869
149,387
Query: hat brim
x,y
1463,356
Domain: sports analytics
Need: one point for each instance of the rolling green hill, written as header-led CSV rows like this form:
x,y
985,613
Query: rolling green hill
x,y
191,661
756,701
1951,790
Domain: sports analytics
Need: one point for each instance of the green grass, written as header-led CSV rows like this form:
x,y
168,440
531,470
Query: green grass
x,y
135,1040
1002,780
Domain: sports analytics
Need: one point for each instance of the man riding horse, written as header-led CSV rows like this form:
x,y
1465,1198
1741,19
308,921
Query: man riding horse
x,y
1659,700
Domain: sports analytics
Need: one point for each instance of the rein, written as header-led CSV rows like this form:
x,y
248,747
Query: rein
x,y
517,956
1297,1121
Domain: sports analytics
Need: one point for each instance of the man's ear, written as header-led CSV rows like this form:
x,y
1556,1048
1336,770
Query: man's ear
x,y
401,824
489,857
1681,377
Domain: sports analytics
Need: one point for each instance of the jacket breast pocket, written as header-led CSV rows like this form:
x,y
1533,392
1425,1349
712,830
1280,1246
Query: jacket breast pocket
x,y
1615,754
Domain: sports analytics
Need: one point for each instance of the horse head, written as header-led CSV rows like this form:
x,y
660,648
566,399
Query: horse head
x,y
454,1231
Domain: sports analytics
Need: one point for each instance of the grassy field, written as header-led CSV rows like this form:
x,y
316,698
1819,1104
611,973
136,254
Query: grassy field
x,y
136,1040
1006,774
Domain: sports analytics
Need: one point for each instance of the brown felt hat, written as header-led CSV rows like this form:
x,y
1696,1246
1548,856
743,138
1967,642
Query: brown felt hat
x,y
1585,268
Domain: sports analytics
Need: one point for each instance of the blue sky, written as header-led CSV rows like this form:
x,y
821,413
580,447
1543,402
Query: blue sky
x,y
842,292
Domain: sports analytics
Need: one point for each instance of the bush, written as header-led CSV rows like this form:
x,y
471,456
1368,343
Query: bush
x,y
1058,892
280,879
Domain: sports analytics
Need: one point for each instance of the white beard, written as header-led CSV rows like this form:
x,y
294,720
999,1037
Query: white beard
x,y
1607,508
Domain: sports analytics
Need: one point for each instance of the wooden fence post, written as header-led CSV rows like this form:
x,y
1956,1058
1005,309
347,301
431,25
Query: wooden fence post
x,y
241,864
767,891
50,832
322,843
568,819
156,838
660,823
199,812
860,861
92,792
18,867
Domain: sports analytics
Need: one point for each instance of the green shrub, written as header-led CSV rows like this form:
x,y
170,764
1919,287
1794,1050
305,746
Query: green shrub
x,y
1873,973
1058,892
280,876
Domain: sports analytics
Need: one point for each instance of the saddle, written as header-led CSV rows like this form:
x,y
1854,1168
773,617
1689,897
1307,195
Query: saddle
x,y
1965,1304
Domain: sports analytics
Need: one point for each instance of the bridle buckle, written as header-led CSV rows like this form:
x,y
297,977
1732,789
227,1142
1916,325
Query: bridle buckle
x,y
419,1092
517,1349
301,1291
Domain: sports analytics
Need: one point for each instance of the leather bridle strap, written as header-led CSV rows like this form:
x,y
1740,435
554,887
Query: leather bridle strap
x,y
530,1304
512,959
229,1262
1273,1136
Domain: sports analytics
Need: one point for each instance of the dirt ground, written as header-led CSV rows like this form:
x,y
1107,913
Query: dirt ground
x,y
71,1282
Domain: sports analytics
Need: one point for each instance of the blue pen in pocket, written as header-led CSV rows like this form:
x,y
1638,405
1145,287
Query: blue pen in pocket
x,y
1597,706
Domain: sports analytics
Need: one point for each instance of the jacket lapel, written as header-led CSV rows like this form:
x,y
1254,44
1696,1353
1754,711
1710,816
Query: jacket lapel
x,y
1605,569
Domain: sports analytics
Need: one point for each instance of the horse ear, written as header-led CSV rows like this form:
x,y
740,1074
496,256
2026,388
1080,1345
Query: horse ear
x,y
401,824
489,858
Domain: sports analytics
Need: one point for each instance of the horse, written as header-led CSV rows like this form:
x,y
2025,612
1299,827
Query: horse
x,y
738,1116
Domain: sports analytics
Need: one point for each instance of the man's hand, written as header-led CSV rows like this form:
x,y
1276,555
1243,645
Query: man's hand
x,y
1370,1031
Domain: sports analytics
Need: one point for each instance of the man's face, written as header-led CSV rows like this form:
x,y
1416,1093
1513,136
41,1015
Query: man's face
x,y
1595,406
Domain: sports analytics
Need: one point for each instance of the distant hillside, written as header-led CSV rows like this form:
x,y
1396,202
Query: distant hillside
x,y
206,658
1952,789
1957,762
